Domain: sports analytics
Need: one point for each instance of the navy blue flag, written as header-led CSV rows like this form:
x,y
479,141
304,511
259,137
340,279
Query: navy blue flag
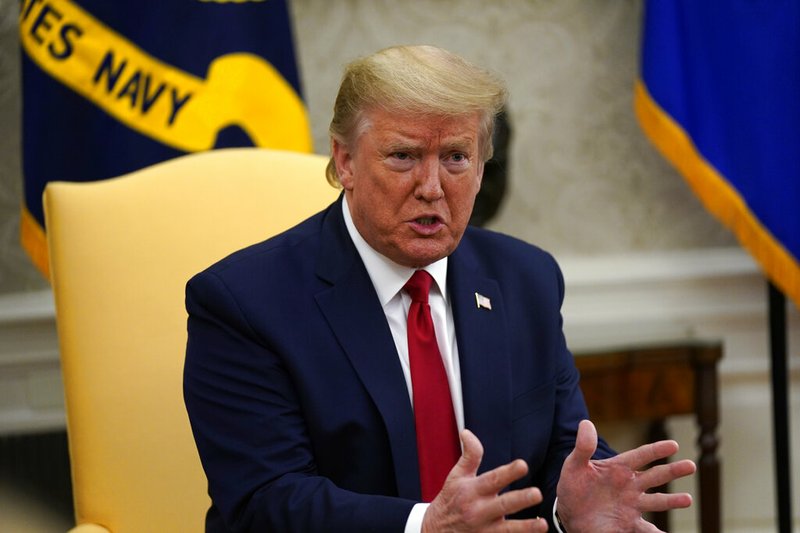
x,y
719,96
113,86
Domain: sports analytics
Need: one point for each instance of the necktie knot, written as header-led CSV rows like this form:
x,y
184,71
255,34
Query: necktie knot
x,y
418,286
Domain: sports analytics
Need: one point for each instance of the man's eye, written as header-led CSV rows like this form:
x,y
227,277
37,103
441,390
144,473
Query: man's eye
x,y
401,156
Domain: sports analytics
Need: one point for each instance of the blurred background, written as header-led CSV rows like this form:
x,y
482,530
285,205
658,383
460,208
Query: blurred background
x,y
643,260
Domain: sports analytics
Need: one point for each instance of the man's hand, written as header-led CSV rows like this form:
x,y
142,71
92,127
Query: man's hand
x,y
609,495
472,503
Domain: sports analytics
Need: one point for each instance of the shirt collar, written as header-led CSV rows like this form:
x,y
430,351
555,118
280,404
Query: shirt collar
x,y
387,276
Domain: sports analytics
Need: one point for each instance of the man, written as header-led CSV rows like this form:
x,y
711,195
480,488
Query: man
x,y
303,380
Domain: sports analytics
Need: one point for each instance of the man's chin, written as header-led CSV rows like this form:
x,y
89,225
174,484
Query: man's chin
x,y
422,256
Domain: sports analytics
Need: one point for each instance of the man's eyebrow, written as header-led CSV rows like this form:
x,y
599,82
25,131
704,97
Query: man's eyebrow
x,y
462,143
401,145
399,142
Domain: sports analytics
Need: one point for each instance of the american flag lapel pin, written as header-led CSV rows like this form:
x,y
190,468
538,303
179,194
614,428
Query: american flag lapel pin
x,y
483,302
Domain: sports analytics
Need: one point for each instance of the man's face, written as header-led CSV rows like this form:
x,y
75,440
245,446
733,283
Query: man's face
x,y
411,182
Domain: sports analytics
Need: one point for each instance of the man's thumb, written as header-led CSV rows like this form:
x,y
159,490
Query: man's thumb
x,y
471,455
585,442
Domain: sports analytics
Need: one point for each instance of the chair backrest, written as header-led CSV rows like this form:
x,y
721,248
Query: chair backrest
x,y
121,251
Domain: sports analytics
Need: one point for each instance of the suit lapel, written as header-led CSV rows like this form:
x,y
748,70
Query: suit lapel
x,y
483,356
353,311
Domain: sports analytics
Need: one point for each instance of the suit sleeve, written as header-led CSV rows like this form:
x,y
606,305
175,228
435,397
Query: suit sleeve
x,y
251,433
569,411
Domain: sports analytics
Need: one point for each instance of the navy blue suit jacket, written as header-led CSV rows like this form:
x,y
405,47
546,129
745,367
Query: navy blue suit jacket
x,y
296,395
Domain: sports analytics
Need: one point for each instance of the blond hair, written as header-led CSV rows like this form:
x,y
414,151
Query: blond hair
x,y
423,80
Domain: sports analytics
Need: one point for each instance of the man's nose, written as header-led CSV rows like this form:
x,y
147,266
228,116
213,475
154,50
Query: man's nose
x,y
429,186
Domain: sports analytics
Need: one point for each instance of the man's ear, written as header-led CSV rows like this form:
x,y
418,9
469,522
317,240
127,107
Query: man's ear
x,y
344,163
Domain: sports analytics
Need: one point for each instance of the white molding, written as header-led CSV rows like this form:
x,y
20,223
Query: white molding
x,y
26,306
22,421
664,266
660,297
31,397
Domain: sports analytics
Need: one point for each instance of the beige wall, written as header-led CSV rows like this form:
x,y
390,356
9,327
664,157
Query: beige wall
x,y
16,272
584,181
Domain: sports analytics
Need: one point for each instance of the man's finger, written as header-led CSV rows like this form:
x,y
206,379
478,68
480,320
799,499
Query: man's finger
x,y
495,480
663,474
659,502
642,456
514,501
643,526
585,443
471,456
531,525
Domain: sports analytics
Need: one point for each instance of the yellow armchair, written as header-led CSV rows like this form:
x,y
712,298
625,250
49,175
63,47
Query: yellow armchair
x,y
121,251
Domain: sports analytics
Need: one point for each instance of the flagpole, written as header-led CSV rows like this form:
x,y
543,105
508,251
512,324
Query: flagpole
x,y
780,408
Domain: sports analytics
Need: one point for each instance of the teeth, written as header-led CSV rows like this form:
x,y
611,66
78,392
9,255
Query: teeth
x,y
426,221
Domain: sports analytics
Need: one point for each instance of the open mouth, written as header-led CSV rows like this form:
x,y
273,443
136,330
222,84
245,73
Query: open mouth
x,y
427,221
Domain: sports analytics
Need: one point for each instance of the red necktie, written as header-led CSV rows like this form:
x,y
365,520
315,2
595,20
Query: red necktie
x,y
438,447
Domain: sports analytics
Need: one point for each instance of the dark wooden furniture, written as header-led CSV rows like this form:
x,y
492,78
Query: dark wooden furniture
x,y
650,384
